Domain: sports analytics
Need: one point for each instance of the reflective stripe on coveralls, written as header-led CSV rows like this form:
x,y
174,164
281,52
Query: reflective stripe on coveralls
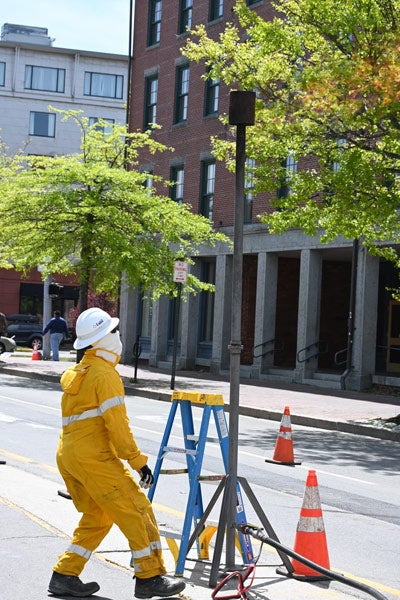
x,y
95,412
80,551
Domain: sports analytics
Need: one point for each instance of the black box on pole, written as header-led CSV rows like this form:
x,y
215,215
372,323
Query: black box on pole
x,y
242,108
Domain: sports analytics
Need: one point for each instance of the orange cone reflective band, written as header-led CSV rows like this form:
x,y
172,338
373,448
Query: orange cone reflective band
x,y
283,453
35,352
310,539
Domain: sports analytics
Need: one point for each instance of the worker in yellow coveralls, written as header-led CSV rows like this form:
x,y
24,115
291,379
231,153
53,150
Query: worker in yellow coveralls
x,y
95,438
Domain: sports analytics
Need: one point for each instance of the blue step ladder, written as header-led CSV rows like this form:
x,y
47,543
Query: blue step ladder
x,y
194,446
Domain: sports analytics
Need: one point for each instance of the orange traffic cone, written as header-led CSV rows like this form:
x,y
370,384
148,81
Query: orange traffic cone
x,y
310,539
283,453
35,352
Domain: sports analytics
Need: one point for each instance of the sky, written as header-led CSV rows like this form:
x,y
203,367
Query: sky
x,y
96,25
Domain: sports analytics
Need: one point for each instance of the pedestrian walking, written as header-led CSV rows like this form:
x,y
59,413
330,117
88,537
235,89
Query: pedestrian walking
x,y
95,439
58,328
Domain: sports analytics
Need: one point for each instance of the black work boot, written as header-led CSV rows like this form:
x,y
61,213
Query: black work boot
x,y
67,585
158,586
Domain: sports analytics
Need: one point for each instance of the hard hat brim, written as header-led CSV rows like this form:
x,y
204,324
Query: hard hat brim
x,y
84,343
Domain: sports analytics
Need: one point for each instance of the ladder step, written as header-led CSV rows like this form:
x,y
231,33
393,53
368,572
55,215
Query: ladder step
x,y
210,477
173,471
178,450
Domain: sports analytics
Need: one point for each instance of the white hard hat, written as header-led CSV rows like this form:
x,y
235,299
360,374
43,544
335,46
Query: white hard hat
x,y
92,325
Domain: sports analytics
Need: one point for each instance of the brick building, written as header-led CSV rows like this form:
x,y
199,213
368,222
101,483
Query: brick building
x,y
296,291
33,75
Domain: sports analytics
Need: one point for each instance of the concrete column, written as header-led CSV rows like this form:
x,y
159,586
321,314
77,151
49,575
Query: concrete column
x,y
264,327
222,314
189,325
308,312
365,321
159,332
128,310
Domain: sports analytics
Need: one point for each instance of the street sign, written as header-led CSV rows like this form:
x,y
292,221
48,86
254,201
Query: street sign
x,y
180,271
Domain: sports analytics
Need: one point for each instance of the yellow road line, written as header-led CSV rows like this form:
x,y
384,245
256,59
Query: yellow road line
x,y
33,518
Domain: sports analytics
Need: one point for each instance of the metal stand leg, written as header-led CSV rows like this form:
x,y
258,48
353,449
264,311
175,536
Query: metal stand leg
x,y
222,525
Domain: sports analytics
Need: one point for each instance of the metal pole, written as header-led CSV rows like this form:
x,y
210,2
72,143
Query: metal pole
x,y
241,113
176,331
235,346
46,317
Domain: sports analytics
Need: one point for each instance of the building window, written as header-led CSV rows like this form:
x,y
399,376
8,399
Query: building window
x,y
2,73
185,15
177,178
154,27
44,78
207,188
249,190
206,311
103,85
42,124
290,166
250,2
150,100
148,182
211,97
216,9
104,125
182,94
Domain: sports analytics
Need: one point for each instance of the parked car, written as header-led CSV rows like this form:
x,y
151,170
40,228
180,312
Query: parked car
x,y
26,334
7,344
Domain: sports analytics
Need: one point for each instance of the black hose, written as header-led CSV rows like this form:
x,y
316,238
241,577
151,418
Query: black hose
x,y
259,534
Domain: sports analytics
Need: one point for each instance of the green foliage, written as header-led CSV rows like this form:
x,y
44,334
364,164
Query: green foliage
x,y
92,215
327,75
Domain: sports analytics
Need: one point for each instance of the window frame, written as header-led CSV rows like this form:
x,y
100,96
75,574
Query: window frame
x,y
150,107
211,97
154,23
185,15
181,94
89,84
51,117
104,129
249,191
178,182
290,165
2,73
37,72
216,10
207,195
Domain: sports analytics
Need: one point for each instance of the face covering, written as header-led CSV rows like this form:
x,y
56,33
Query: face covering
x,y
109,344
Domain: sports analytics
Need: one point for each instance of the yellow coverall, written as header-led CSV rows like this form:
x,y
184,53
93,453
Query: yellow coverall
x,y
94,437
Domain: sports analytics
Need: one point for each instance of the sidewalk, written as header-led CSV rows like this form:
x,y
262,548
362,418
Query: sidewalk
x,y
359,413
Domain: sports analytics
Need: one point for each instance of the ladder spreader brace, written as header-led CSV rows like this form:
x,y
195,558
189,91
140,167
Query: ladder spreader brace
x,y
194,453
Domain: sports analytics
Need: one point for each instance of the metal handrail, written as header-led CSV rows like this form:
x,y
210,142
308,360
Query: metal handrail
x,y
314,344
272,350
337,354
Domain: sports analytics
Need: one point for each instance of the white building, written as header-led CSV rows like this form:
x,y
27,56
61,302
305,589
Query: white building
x,y
34,75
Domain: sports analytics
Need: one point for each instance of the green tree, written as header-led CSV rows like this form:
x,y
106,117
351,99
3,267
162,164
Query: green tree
x,y
92,215
327,75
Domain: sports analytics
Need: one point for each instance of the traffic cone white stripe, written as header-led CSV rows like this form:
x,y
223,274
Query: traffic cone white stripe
x,y
286,435
311,524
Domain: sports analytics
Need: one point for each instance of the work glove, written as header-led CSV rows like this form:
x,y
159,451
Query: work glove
x,y
147,477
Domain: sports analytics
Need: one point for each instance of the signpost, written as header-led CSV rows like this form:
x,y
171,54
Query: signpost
x,y
180,275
